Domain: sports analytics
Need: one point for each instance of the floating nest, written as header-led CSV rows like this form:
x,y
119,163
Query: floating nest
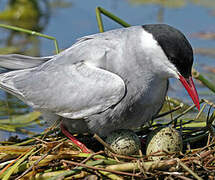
x,y
52,156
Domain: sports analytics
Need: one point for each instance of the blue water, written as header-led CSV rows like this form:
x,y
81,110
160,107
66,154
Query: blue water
x,y
68,24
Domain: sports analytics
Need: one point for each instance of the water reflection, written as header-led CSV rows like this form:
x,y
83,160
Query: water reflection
x,y
175,3
164,3
33,15
22,13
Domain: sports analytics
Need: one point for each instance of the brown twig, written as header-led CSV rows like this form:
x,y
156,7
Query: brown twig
x,y
103,143
35,163
189,170
182,177
209,161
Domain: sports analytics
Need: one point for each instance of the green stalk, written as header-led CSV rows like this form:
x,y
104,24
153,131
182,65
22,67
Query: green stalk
x,y
32,33
16,165
201,78
100,10
99,20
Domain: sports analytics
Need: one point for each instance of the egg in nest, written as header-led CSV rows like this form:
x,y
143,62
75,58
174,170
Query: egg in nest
x,y
163,141
123,142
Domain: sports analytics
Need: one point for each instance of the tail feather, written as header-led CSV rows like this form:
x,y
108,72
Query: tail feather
x,y
7,83
16,61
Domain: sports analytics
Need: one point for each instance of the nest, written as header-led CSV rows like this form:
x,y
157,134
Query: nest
x,y
51,156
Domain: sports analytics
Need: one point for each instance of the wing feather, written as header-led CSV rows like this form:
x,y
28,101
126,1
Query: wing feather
x,y
72,91
74,83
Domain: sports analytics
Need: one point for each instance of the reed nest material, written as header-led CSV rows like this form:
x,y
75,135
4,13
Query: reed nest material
x,y
51,156
57,158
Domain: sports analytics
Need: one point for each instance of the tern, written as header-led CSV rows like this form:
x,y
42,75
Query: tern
x,y
106,81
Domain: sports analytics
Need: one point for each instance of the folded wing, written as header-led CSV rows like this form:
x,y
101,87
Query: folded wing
x,y
71,90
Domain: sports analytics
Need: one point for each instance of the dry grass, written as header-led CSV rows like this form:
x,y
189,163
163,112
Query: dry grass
x,y
51,156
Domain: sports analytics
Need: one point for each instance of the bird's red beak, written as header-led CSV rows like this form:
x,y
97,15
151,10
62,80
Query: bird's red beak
x,y
191,89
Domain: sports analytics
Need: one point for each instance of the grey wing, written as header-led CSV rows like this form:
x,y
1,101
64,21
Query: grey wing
x,y
72,91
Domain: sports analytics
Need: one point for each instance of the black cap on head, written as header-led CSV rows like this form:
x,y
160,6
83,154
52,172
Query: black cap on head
x,y
175,46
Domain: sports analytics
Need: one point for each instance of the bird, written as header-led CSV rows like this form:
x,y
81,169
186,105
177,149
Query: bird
x,y
113,80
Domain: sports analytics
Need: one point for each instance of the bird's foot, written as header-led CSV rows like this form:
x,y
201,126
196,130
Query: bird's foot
x,y
74,140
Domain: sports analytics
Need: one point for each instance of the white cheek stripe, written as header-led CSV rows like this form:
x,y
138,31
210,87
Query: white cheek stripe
x,y
148,41
154,52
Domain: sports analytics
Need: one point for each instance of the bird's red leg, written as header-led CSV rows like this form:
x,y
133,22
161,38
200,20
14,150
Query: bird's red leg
x,y
74,140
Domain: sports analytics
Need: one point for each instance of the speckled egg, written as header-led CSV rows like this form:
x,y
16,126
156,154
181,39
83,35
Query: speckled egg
x,y
123,142
163,140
